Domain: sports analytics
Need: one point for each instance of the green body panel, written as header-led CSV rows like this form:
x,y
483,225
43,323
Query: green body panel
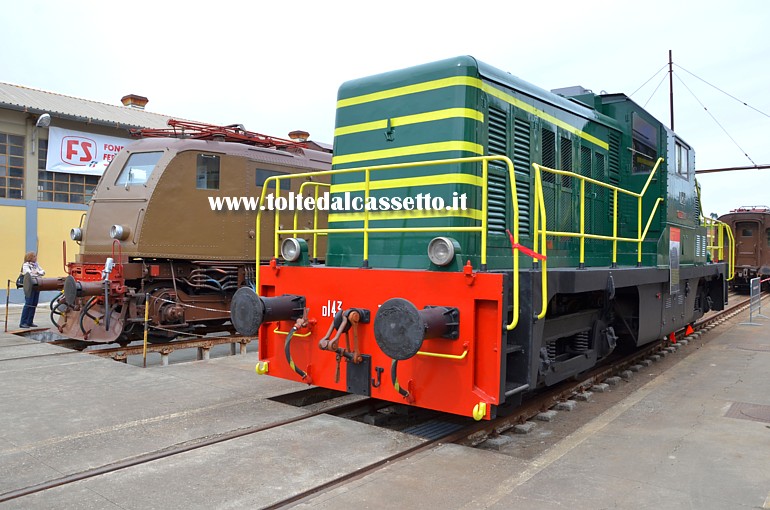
x,y
461,107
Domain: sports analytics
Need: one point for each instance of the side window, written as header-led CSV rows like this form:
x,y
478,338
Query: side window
x,y
645,146
767,234
207,175
263,175
682,158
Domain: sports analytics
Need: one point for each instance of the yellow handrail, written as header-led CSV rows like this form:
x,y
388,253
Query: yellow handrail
x,y
315,213
445,356
366,230
540,219
716,228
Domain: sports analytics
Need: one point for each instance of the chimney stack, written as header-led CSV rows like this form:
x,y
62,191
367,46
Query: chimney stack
x,y
134,101
299,136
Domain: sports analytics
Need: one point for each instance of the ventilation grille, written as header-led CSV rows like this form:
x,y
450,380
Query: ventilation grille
x,y
497,145
549,154
521,163
565,149
614,170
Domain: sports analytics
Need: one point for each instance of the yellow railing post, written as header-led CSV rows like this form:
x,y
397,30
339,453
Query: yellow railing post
x,y
582,223
366,218
316,186
276,247
485,209
615,228
639,231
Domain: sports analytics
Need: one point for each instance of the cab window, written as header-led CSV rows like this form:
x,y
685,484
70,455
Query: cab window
x,y
645,145
746,229
682,159
138,168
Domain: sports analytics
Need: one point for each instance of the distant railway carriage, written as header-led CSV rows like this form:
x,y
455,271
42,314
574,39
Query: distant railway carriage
x,y
151,230
751,229
583,231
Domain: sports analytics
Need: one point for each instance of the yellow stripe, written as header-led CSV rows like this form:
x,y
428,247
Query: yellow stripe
x,y
540,113
473,214
448,113
402,91
470,82
409,151
428,180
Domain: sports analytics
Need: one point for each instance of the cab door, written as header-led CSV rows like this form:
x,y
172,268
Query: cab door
x,y
747,243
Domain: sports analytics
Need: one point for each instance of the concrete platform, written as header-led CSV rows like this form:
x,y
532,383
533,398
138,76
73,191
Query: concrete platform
x,y
670,445
695,436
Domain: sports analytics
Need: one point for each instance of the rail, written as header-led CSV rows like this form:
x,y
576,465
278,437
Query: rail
x,y
367,230
540,223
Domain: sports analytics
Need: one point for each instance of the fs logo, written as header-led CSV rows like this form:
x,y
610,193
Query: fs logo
x,y
77,151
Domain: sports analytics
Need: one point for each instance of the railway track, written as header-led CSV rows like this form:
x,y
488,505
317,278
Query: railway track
x,y
462,431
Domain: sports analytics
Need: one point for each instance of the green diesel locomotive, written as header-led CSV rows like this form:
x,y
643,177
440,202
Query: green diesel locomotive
x,y
486,237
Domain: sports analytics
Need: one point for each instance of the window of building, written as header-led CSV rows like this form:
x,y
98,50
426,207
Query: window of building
x,y
61,187
207,176
65,188
138,168
11,166
767,232
42,154
645,145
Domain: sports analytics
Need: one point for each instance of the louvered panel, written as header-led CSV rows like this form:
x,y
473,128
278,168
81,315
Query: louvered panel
x,y
497,144
496,191
614,168
549,154
565,150
521,163
613,174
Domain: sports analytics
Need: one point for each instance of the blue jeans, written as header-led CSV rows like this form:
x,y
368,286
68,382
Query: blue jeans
x,y
28,314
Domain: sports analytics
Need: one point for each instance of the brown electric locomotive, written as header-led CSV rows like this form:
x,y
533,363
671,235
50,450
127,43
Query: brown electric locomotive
x,y
171,225
751,229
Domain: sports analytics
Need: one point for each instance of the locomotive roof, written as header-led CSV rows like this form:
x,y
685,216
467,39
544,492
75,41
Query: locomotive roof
x,y
468,66
571,105
293,157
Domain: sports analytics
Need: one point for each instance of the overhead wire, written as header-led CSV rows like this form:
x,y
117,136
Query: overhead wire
x,y
654,91
722,91
648,80
715,120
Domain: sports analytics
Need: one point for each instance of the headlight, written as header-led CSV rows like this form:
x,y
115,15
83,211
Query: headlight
x,y
76,234
291,249
441,250
119,232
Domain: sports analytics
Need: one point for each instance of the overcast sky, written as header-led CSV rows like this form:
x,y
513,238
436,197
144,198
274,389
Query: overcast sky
x,y
276,66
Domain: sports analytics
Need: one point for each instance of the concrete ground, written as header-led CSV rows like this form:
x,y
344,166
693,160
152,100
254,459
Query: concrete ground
x,y
697,436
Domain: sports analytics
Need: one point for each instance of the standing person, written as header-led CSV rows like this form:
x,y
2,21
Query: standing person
x,y
30,303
